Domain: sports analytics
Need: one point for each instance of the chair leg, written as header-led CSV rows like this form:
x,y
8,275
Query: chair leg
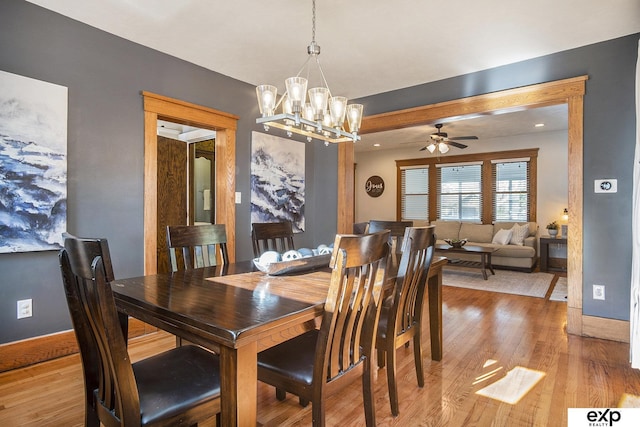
x,y
281,394
367,394
178,341
91,416
417,356
391,380
317,411
303,402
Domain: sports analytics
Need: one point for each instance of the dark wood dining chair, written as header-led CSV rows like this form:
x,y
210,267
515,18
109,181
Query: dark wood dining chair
x,y
271,236
178,387
361,227
395,227
321,362
401,316
197,246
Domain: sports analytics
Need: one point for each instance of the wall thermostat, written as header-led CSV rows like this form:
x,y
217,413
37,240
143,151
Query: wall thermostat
x,y
606,185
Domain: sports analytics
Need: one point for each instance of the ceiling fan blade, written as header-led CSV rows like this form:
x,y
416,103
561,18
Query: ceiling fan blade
x,y
462,138
456,144
423,148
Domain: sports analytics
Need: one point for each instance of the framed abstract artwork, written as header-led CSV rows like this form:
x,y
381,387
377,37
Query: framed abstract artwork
x,y
33,164
277,180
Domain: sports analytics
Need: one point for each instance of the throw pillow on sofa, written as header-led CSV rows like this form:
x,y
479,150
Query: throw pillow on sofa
x,y
502,237
519,233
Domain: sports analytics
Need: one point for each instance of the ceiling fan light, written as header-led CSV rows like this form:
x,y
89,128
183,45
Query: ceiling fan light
x,y
431,147
444,148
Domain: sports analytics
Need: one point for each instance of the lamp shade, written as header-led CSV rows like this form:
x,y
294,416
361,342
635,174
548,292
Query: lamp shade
x,y
338,110
297,92
431,147
319,100
266,99
444,148
354,117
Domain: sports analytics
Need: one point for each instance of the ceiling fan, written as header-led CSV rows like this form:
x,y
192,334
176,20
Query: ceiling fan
x,y
441,141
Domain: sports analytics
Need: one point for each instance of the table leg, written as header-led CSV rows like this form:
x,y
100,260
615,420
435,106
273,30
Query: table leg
x,y
434,284
483,259
490,264
239,385
544,255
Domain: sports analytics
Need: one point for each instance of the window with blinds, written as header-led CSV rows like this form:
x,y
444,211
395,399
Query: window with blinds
x,y
460,192
511,190
414,193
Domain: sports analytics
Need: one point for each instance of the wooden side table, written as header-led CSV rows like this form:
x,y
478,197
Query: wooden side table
x,y
545,241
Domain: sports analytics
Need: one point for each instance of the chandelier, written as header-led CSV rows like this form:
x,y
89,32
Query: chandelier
x,y
322,117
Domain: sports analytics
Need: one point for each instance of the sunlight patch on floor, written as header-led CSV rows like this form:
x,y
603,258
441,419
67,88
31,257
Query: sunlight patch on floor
x,y
629,401
514,386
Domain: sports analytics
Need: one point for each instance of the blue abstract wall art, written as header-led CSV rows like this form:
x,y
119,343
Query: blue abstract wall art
x,y
33,164
277,180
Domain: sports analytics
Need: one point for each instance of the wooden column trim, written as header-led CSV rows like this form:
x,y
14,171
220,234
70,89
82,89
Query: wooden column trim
x,y
568,91
346,194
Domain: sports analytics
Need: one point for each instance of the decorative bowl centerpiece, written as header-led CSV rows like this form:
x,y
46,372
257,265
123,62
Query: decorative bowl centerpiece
x,y
456,243
292,262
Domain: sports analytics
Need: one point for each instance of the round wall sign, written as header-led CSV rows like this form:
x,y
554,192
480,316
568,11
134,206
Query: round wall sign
x,y
374,186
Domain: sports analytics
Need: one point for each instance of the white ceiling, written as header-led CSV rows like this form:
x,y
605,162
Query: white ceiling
x,y
368,46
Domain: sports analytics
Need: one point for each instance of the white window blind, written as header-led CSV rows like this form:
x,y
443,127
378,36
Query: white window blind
x,y
511,190
460,192
415,193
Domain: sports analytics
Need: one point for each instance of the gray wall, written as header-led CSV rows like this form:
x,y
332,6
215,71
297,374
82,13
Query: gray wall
x,y
105,75
609,132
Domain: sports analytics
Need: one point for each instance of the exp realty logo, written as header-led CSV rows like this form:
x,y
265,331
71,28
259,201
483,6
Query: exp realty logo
x,y
604,417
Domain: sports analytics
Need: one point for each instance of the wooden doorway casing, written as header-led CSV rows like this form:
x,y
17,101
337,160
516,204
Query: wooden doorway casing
x,y
225,124
570,92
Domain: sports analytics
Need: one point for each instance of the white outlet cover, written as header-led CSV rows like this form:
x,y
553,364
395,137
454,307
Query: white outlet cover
x,y
238,197
25,308
605,185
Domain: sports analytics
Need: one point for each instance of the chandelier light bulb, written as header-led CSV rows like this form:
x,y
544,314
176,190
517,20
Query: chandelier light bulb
x,y
297,92
338,110
354,117
267,99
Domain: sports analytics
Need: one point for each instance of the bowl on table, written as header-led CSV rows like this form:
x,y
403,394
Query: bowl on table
x,y
456,243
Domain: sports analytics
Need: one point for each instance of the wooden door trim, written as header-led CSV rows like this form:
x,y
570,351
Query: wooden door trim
x,y
225,124
568,91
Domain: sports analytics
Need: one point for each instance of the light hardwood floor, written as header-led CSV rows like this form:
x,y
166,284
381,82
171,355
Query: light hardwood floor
x,y
486,335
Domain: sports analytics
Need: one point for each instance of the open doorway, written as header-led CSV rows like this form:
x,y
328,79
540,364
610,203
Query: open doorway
x,y
159,107
186,178
568,91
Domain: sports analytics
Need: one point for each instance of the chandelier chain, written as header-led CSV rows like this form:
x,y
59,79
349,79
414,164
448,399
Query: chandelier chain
x,y
313,21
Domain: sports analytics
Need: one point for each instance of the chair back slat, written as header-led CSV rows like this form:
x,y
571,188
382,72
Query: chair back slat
x,y
396,228
272,236
351,311
417,254
197,245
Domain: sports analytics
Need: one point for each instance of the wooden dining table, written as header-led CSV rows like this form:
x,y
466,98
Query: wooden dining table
x,y
237,311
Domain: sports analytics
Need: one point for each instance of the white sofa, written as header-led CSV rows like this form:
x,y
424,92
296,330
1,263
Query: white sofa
x,y
511,256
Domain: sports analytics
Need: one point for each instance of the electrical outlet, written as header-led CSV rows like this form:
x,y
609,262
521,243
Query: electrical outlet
x,y
598,292
25,308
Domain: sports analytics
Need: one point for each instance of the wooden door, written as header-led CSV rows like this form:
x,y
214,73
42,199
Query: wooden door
x,y
172,192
